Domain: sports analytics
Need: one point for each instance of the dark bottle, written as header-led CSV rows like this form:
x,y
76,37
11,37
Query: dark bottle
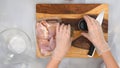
x,y
82,25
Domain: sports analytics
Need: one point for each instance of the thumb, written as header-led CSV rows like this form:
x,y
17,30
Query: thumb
x,y
86,35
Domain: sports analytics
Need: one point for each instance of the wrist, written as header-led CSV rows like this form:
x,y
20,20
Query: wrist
x,y
53,63
56,56
53,59
103,48
101,45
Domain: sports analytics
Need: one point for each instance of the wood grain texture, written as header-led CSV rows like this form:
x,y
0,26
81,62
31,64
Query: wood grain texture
x,y
71,14
64,9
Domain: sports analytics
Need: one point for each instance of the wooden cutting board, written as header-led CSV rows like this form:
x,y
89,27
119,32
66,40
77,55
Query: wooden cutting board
x,y
72,14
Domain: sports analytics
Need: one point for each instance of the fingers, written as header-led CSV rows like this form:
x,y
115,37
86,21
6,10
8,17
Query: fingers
x,y
87,21
61,27
65,28
69,29
57,27
91,22
94,24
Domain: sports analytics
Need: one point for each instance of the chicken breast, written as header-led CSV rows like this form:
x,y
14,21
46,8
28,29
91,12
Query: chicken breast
x,y
46,37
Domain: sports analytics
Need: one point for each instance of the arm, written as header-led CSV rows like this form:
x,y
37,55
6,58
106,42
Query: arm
x,y
53,63
63,43
109,60
95,35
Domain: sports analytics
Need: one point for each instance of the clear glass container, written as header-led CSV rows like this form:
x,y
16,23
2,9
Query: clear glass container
x,y
14,46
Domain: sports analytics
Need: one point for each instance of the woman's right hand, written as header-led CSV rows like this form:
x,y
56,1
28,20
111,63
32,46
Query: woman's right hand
x,y
95,34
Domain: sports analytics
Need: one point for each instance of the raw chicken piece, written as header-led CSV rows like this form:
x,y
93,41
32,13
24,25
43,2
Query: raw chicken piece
x,y
42,31
51,27
44,47
52,43
46,37
51,30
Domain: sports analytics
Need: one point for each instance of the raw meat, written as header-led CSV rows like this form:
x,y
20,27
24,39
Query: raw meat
x,y
51,30
46,37
42,31
51,26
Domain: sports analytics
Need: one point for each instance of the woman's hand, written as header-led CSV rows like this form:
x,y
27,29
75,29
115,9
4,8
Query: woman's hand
x,y
63,41
95,34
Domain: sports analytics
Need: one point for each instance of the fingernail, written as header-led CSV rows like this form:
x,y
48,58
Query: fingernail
x,y
68,24
62,24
